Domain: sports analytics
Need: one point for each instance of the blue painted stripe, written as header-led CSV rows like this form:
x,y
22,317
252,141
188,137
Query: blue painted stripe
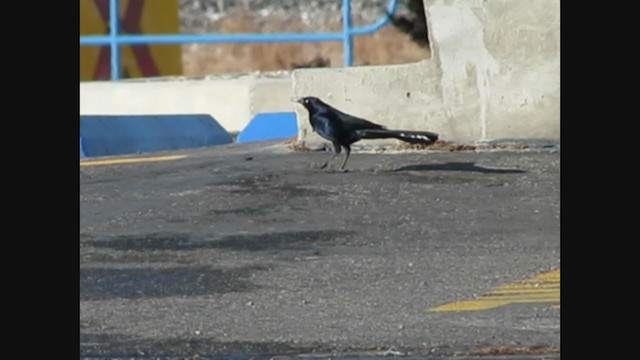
x,y
104,135
269,126
81,149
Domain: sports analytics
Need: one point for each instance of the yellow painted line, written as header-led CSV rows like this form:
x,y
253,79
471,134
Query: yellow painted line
x,y
542,288
533,287
132,160
553,276
498,292
541,295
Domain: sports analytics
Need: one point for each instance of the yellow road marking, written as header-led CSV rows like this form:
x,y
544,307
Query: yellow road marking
x,y
542,288
130,160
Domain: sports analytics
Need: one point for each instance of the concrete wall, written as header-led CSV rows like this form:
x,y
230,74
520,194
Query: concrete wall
x,y
494,73
231,100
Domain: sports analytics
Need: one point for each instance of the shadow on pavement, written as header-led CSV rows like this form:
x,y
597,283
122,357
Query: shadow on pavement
x,y
139,283
458,166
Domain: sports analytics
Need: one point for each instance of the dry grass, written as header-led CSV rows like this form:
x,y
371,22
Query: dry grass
x,y
386,46
511,350
440,145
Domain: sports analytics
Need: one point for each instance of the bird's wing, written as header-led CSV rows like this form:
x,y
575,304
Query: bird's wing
x,y
352,123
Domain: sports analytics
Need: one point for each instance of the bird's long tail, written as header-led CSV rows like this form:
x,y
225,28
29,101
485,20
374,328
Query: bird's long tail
x,y
413,137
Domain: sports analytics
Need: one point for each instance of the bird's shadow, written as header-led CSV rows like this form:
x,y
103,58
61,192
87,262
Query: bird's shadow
x,y
458,166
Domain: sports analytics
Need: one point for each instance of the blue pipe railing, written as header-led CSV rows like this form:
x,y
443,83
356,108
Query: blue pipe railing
x,y
114,39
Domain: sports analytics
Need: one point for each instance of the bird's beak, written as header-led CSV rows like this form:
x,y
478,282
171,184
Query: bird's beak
x,y
296,99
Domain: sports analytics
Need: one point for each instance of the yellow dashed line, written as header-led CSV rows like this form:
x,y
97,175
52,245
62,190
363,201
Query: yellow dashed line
x,y
542,288
130,160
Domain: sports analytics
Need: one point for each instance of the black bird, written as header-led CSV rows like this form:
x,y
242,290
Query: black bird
x,y
344,129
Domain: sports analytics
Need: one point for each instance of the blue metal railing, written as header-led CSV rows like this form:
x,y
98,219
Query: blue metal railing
x,y
114,39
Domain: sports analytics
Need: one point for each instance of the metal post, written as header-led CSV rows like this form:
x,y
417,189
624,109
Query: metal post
x,y
114,16
347,40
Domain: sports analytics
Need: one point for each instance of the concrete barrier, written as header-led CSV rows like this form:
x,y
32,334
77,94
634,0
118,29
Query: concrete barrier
x,y
494,73
103,135
231,99
270,126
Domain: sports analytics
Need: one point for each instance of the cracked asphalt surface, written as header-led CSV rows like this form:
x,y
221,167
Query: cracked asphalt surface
x,y
246,250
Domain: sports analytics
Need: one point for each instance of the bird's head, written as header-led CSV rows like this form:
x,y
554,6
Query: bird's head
x,y
309,102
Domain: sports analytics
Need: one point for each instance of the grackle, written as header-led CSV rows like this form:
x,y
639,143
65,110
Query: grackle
x,y
343,129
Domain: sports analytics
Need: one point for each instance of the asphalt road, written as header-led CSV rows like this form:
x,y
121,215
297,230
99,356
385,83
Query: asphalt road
x,y
247,250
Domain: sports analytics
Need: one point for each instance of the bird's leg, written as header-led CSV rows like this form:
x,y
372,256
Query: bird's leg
x,y
337,149
347,152
328,161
